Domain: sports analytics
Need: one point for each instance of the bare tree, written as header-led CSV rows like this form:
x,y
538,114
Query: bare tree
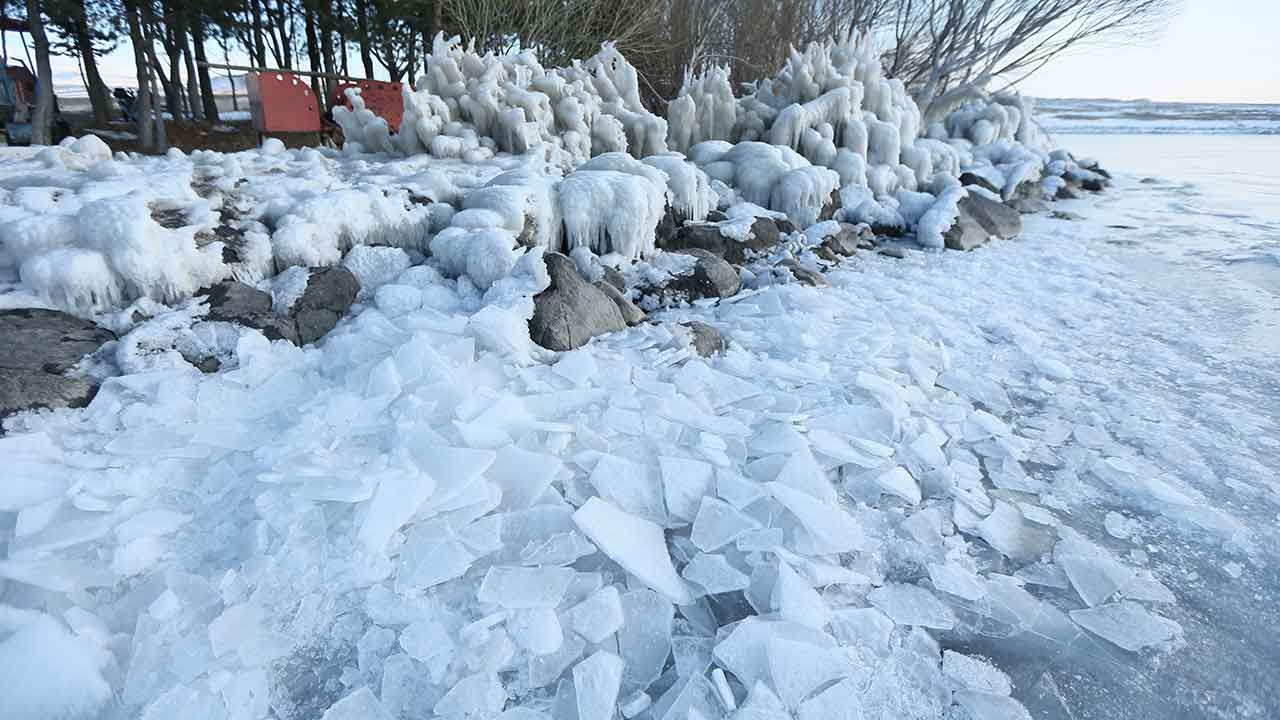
x,y
949,50
559,31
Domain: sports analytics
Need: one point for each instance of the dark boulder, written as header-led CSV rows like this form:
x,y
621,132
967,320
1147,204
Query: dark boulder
x,y
965,234
234,301
329,295
804,274
631,314
712,277
571,310
969,178
826,255
996,218
765,234
848,239
37,350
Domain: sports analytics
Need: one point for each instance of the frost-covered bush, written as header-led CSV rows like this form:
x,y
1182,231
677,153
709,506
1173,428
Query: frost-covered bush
x,y
467,105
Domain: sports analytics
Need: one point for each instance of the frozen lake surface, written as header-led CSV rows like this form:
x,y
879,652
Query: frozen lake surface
x,y
1190,341
1126,117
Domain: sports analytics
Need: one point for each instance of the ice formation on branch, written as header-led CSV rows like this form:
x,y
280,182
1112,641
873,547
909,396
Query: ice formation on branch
x,y
467,105
704,110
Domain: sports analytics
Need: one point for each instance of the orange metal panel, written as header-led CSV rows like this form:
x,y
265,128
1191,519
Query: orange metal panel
x,y
282,102
383,98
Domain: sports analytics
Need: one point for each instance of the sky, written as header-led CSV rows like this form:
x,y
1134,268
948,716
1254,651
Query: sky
x,y
1210,51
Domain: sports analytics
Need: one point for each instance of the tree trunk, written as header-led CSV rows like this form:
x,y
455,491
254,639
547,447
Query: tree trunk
x,y
326,49
142,105
42,113
167,35
411,61
313,51
162,142
99,98
193,86
231,79
153,69
207,98
362,29
326,38
259,47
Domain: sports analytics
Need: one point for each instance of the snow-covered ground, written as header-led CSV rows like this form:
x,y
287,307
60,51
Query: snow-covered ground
x,y
1110,393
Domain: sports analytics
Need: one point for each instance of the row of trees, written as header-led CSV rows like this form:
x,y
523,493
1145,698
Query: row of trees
x,y
945,50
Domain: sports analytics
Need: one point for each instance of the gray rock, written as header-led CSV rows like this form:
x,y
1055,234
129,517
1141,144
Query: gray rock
x,y
35,389
1094,167
1028,206
765,234
614,278
831,207
892,231
631,314
670,224
712,277
804,274
37,348
972,179
329,295
1094,184
826,255
965,234
850,237
231,300
996,218
1066,192
893,252
707,340
571,310
528,232
47,340
1065,215
234,301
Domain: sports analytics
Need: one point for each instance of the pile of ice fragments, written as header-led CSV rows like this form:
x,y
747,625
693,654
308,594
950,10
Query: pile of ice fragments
x,y
404,525
428,515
